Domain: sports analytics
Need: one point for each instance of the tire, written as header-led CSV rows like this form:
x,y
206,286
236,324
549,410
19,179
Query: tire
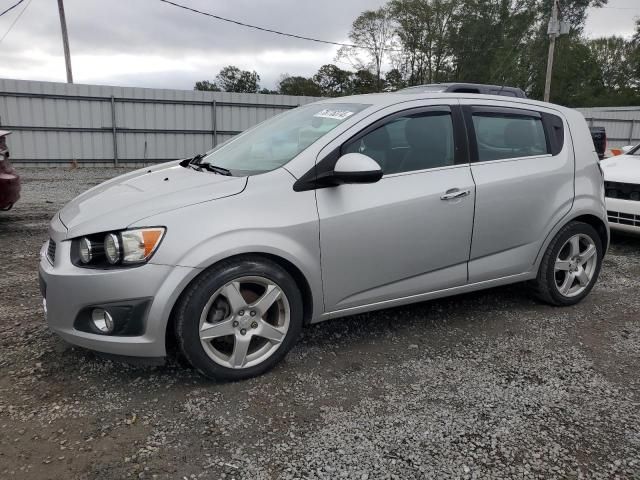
x,y
225,340
552,284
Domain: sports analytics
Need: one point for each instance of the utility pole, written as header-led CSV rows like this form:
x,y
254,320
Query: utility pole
x,y
65,41
553,31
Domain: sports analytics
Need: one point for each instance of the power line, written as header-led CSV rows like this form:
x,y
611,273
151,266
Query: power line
x,y
263,29
15,20
11,7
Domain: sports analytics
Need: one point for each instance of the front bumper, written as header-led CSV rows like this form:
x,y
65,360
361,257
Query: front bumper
x,y
623,215
69,290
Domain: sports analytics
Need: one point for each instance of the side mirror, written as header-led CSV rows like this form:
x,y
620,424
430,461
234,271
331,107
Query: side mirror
x,y
356,168
349,168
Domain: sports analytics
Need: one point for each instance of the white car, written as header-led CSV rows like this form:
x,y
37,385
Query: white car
x,y
622,190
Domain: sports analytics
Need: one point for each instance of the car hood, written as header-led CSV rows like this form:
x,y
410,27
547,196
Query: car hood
x,y
623,169
121,201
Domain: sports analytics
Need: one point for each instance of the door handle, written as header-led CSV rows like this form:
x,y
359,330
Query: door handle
x,y
454,193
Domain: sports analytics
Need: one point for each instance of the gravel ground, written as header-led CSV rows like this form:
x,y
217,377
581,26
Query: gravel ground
x,y
486,385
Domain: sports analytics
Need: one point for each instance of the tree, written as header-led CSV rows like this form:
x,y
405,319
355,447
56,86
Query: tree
x,y
333,81
372,35
232,79
423,29
614,58
207,86
393,80
298,86
364,82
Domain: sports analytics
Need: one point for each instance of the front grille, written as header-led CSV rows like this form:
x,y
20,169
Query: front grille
x,y
624,218
51,251
623,191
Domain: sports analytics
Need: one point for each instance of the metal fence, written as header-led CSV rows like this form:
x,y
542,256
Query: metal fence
x,y
621,123
56,123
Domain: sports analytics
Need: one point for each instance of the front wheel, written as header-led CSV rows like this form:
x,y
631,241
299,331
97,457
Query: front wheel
x,y
570,266
239,318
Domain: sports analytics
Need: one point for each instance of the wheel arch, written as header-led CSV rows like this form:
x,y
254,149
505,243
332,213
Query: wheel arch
x,y
599,226
288,266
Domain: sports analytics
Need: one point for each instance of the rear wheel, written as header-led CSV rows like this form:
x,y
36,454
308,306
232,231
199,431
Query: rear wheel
x,y
239,319
570,266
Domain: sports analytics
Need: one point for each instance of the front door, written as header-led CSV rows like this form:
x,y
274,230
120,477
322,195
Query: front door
x,y
409,233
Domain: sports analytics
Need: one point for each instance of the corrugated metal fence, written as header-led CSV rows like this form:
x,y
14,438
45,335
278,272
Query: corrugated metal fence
x,y
621,123
57,122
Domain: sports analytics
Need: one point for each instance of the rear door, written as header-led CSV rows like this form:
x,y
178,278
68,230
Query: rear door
x,y
523,168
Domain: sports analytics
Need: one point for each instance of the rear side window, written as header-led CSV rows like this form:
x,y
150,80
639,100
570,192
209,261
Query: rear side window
x,y
508,135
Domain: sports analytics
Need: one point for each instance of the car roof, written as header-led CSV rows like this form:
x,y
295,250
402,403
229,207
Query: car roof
x,y
480,87
389,99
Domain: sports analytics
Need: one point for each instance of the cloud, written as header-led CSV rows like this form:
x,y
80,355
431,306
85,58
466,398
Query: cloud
x,y
150,43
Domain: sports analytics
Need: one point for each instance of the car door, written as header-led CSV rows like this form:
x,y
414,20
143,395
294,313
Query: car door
x,y
523,170
410,232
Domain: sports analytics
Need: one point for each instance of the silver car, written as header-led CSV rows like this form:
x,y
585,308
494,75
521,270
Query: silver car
x,y
334,208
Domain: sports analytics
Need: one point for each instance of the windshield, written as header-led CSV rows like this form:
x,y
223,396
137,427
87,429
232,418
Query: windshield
x,y
275,142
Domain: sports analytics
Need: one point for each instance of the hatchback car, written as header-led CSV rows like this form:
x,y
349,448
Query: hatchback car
x,y
334,208
622,190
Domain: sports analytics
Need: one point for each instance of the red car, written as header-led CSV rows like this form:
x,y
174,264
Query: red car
x,y
9,179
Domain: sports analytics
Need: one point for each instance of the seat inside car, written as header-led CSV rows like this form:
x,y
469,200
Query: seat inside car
x,y
377,145
428,140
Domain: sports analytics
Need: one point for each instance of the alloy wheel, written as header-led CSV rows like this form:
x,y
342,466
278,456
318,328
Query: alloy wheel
x,y
244,322
575,265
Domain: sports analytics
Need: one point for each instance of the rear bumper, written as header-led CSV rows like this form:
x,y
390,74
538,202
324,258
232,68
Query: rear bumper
x,y
9,190
623,215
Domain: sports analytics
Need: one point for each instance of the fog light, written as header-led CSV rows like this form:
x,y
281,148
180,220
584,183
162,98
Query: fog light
x,y
102,320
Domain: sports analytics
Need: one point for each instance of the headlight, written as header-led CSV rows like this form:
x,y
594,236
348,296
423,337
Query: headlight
x,y
112,248
139,245
127,247
86,250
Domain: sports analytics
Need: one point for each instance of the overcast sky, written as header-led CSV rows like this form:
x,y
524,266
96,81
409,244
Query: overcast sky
x,y
152,44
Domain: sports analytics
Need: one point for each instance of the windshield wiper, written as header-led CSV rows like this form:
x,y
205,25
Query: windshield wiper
x,y
187,162
215,169
196,164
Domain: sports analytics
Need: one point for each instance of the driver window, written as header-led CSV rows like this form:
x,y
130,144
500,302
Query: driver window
x,y
413,142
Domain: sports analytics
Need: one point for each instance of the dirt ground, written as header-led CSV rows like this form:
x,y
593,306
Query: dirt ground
x,y
486,385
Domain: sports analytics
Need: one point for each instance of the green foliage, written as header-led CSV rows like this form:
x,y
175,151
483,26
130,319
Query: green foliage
x,y
365,81
207,86
232,79
333,81
298,86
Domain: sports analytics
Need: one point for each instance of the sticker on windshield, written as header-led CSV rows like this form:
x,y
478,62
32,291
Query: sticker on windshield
x,y
335,114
